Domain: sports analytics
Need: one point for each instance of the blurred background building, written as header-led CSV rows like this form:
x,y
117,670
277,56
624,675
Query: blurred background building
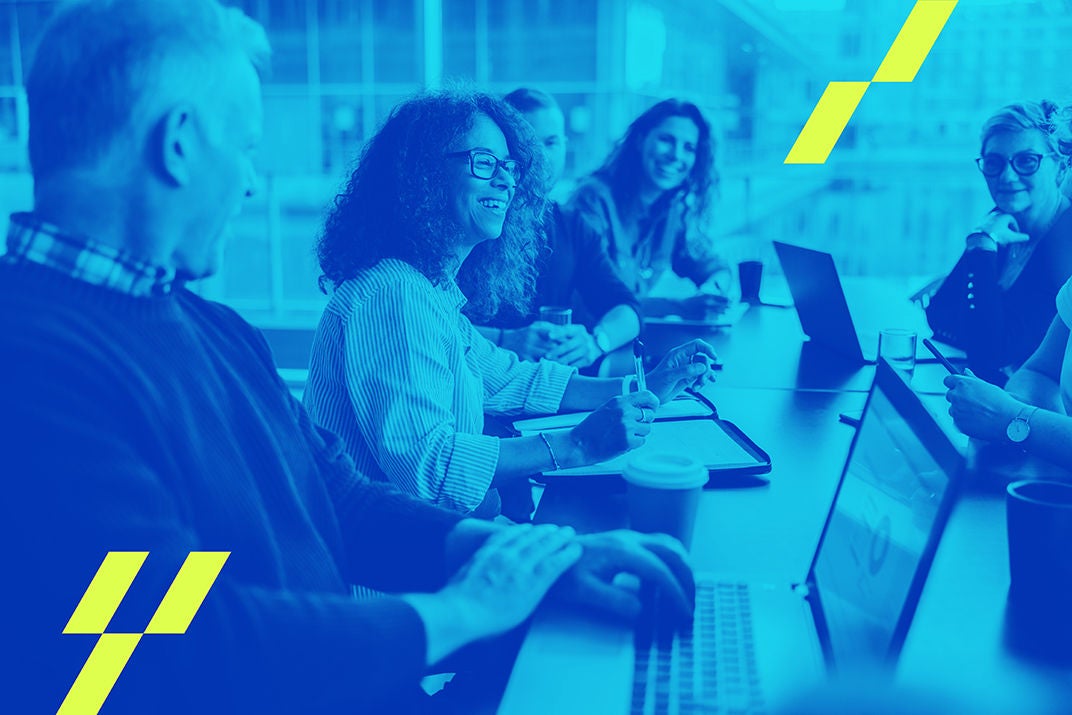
x,y
895,199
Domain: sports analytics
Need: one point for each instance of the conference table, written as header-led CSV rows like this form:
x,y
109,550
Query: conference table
x,y
786,394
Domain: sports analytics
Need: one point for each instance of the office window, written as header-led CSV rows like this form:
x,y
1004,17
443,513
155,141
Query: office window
x,y
343,131
398,42
542,41
465,30
9,32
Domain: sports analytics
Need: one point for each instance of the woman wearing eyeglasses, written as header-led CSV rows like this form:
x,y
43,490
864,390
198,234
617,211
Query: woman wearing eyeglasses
x,y
998,301
442,211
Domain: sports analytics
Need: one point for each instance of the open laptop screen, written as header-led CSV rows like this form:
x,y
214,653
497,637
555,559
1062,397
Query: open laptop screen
x,y
876,540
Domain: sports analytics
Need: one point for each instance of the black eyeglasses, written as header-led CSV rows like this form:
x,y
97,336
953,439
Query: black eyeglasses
x,y
484,164
1024,163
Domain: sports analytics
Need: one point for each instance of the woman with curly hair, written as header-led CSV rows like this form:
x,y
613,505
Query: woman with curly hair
x,y
998,301
647,199
442,210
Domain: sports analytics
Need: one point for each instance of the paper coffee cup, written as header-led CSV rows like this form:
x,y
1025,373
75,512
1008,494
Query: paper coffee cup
x,y
664,493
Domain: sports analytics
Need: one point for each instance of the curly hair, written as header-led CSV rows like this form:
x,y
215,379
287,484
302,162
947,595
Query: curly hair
x,y
623,172
396,204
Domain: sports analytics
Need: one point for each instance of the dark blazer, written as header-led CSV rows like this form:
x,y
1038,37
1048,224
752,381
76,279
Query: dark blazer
x,y
1001,328
573,270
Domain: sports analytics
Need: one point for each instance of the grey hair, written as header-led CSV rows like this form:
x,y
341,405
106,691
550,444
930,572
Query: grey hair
x,y
98,62
1042,116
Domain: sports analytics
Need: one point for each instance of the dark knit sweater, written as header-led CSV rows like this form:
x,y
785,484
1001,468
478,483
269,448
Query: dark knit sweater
x,y
161,425
574,270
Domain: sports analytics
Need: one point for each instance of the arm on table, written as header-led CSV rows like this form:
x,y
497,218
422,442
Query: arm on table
x,y
1038,381
621,325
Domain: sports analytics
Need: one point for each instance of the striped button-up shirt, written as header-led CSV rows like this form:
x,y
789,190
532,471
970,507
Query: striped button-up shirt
x,y
34,240
403,377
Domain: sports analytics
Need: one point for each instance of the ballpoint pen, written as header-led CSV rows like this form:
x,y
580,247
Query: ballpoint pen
x,y
638,365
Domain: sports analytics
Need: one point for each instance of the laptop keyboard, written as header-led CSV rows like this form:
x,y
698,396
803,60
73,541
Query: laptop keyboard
x,y
710,670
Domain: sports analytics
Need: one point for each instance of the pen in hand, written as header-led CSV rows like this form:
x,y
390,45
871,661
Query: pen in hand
x,y
638,365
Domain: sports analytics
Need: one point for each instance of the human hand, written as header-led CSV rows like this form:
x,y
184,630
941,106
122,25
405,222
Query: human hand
x,y
504,581
659,560
619,425
704,306
1001,227
980,409
531,342
575,347
684,366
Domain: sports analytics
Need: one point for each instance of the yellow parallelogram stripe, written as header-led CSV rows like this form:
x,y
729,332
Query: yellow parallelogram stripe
x,y
105,592
98,675
914,41
827,121
187,592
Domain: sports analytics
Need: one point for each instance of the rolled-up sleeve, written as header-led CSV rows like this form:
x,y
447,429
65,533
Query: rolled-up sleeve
x,y
402,386
513,386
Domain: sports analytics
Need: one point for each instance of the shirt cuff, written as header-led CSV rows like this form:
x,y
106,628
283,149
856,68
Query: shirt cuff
x,y
548,386
469,471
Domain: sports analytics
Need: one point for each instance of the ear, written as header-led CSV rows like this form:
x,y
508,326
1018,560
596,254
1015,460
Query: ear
x,y
174,144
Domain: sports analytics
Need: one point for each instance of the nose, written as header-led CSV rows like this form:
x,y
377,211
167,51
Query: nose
x,y
678,152
1008,175
503,180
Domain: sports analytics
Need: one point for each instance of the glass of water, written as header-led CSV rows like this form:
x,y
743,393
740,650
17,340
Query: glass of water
x,y
898,348
556,314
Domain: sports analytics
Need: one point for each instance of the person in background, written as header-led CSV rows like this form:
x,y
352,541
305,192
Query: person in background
x,y
441,213
997,301
649,200
141,418
573,269
1032,412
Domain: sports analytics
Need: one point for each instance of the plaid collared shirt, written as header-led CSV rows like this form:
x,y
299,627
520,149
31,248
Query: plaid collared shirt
x,y
31,239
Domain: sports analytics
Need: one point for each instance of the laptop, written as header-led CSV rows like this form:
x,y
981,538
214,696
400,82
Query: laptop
x,y
753,643
823,311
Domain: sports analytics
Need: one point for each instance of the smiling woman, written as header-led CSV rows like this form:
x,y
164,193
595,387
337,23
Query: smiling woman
x,y
648,200
999,299
403,200
440,211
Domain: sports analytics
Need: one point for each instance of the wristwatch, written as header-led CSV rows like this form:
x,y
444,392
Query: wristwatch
x,y
601,340
1020,426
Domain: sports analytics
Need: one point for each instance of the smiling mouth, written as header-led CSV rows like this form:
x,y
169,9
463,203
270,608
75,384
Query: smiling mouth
x,y
493,204
669,170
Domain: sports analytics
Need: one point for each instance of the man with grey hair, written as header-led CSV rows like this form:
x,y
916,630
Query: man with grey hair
x,y
146,420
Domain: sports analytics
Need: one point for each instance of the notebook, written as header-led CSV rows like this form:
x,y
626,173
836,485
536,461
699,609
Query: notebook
x,y
682,424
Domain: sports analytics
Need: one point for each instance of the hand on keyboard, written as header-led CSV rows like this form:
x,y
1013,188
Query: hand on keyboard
x,y
658,560
507,577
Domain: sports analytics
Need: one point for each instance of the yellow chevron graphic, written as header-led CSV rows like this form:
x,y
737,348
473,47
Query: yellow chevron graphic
x,y
903,60
101,600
